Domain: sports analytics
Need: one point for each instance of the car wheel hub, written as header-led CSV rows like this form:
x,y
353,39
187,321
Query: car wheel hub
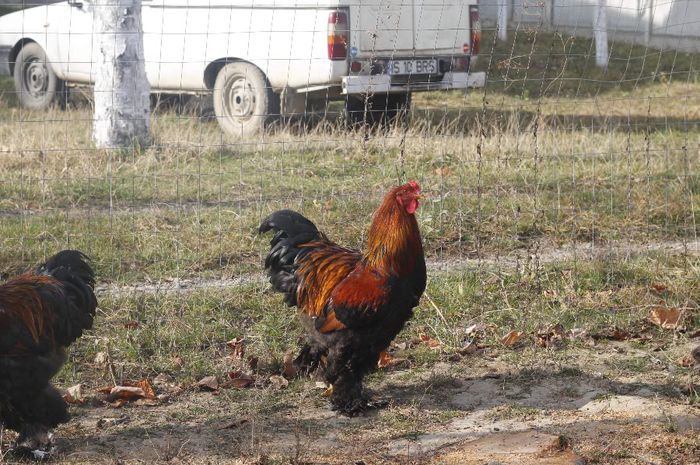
x,y
36,78
240,98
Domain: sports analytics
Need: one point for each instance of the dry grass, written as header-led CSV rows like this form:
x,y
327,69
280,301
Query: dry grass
x,y
191,202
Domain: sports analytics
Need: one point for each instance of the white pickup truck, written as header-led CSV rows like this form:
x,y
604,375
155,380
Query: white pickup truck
x,y
260,58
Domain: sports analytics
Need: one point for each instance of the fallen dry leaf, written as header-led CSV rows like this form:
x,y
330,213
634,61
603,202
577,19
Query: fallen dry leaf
x,y
127,392
148,391
118,403
130,392
512,338
385,359
288,368
328,392
388,360
429,341
208,383
658,287
551,336
278,382
237,348
238,379
131,324
666,317
74,395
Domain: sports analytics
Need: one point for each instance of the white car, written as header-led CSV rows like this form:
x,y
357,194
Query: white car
x,y
260,58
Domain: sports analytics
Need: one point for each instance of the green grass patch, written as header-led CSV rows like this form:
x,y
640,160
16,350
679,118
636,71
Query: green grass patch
x,y
534,63
184,334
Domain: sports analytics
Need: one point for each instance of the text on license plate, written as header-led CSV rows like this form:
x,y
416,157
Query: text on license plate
x,y
412,67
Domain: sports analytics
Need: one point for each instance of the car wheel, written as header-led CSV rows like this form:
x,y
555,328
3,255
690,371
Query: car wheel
x,y
377,110
35,82
244,102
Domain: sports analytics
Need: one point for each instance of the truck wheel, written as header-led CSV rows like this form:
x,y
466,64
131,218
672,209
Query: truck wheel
x,y
35,82
243,99
382,109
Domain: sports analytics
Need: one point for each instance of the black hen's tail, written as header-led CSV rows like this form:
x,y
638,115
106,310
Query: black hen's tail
x,y
291,230
71,269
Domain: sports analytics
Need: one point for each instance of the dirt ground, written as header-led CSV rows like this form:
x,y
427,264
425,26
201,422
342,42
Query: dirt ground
x,y
572,406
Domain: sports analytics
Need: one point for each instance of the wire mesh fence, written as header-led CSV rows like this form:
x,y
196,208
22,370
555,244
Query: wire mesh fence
x,y
561,213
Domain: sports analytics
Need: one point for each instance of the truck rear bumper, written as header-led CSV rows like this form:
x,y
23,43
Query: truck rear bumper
x,y
381,83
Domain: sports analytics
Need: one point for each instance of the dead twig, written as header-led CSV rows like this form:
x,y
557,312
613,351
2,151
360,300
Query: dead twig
x,y
437,309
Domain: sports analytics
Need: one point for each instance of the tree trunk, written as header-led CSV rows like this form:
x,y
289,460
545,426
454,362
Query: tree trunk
x,y
600,30
122,103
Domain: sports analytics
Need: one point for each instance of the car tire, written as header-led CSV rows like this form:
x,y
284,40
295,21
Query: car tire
x,y
36,83
381,109
244,102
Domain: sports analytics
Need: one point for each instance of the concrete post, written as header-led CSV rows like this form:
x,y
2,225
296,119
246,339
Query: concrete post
x,y
503,20
600,32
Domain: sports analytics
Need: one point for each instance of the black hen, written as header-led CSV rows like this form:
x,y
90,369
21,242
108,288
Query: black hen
x,y
41,313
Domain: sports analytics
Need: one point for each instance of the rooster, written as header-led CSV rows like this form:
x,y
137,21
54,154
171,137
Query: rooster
x,y
352,304
41,313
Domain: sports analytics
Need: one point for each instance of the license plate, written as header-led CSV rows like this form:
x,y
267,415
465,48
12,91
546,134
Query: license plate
x,y
396,67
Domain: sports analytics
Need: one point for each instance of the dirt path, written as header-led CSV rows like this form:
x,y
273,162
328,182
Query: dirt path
x,y
568,407
533,257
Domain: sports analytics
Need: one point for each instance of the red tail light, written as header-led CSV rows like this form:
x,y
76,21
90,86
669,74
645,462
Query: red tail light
x,y
475,24
337,36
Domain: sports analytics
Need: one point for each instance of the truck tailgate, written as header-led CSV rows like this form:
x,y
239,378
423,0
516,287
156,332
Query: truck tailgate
x,y
384,26
441,25
408,27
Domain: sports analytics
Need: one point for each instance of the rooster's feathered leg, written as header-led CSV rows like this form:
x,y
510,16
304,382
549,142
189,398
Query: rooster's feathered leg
x,y
346,367
308,359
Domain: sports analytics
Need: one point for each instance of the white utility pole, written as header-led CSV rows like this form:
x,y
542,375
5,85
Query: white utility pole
x,y
503,20
600,31
122,104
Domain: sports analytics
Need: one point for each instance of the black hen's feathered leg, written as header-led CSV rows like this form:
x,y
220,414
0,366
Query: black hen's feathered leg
x,y
33,415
